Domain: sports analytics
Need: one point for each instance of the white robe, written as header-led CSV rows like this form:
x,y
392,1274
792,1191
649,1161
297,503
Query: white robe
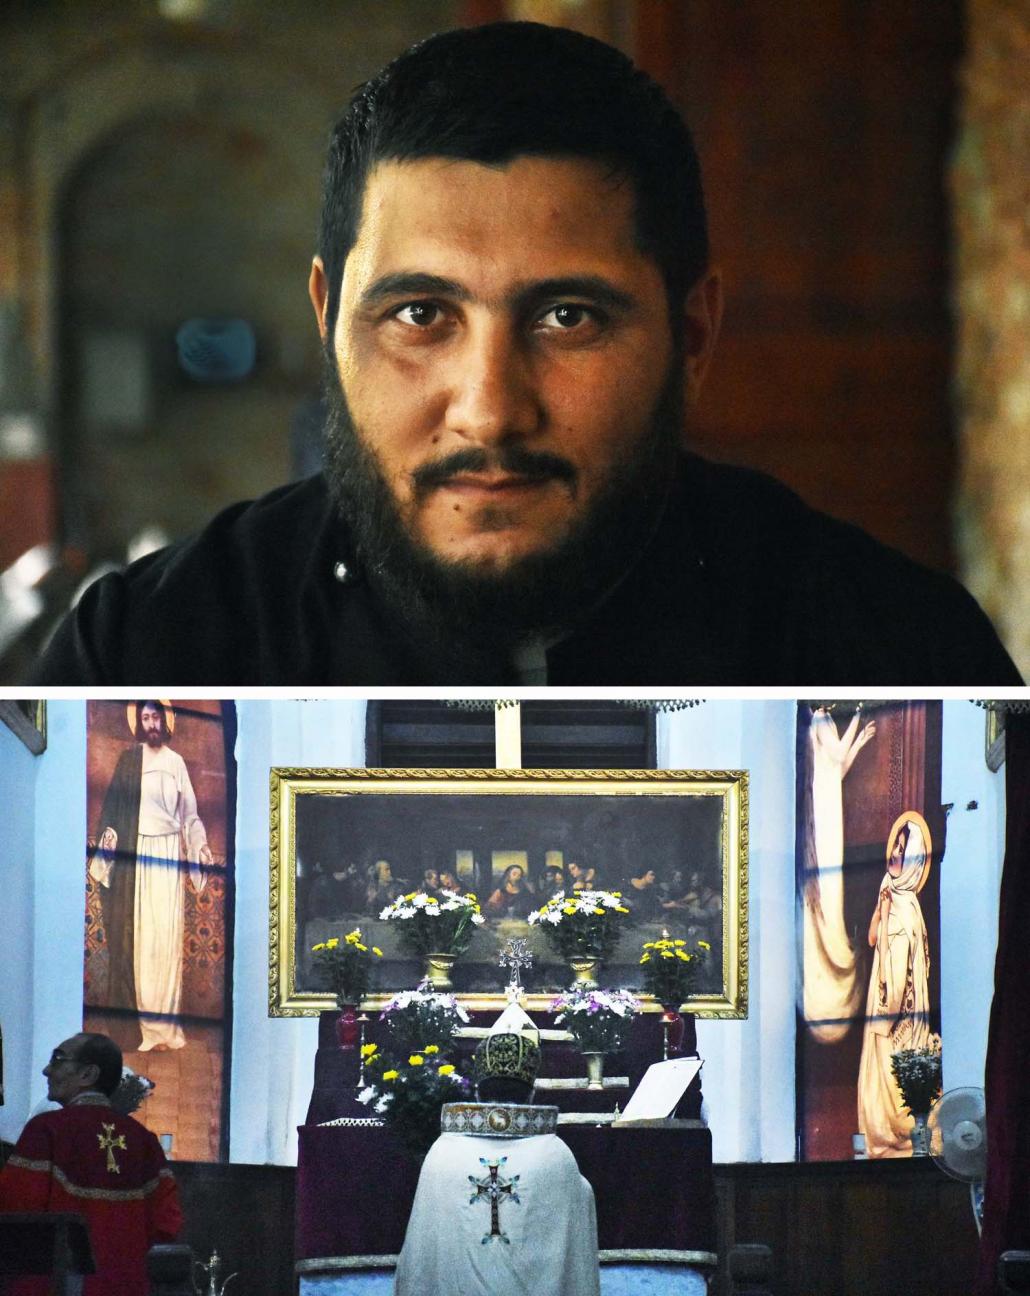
x,y
897,1007
551,1230
167,817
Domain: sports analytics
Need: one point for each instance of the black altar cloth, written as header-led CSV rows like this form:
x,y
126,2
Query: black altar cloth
x,y
654,1190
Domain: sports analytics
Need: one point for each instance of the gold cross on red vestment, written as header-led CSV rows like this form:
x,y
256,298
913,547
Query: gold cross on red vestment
x,y
108,1142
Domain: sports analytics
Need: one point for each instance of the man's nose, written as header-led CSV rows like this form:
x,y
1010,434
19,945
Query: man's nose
x,y
493,390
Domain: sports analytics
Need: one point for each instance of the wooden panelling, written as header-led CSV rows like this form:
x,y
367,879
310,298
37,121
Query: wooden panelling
x,y
862,1228
246,1212
853,1228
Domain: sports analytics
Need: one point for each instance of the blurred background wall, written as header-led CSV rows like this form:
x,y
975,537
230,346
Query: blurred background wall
x,y
865,167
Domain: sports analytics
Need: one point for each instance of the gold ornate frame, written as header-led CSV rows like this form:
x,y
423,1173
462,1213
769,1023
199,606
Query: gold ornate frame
x,y
290,786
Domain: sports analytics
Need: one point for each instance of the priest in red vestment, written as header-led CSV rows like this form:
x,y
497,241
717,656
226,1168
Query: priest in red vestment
x,y
104,1166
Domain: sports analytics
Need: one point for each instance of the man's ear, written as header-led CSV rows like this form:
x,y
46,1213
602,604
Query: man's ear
x,y
702,316
318,291
90,1074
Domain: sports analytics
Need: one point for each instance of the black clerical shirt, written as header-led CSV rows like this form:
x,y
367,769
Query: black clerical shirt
x,y
743,584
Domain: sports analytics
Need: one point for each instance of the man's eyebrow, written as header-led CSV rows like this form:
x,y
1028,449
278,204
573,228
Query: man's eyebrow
x,y
413,283
595,288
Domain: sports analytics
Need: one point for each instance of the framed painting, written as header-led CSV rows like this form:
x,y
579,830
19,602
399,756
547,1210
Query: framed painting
x,y
345,843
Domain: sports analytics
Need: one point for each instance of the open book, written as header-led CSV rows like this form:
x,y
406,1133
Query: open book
x,y
662,1086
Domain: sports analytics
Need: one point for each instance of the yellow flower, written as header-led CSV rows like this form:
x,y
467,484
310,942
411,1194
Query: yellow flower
x,y
445,1070
431,1048
411,895
666,953
332,944
416,1059
352,938
649,945
471,895
368,1049
618,909
680,942
599,910
617,894
704,945
646,958
684,957
363,948
570,909
319,946
377,950
390,1075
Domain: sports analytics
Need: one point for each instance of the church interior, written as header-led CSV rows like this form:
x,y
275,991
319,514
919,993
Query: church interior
x,y
160,164
758,833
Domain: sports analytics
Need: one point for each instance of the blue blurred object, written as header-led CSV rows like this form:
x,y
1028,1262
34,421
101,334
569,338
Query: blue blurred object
x,y
216,350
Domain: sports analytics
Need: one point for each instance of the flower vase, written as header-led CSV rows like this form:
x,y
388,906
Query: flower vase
x,y
438,970
920,1141
584,973
672,1031
595,1070
347,1027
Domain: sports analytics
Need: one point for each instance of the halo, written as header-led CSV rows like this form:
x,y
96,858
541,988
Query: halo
x,y
133,719
913,816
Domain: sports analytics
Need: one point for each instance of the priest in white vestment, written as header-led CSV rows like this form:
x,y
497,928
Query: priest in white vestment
x,y
167,823
501,1208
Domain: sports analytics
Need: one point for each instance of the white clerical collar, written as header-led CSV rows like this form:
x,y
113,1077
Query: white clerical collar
x,y
498,1120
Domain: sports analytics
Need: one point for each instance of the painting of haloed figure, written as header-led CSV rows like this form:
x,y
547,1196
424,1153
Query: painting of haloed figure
x,y
870,845
158,888
350,842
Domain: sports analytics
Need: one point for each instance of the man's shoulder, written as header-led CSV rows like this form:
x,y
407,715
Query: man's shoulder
x,y
202,605
795,594
752,519
239,540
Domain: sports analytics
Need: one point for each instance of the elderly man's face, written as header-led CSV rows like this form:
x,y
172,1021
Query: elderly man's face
x,y
503,348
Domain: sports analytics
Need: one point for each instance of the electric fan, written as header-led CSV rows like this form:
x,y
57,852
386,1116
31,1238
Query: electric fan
x,y
957,1132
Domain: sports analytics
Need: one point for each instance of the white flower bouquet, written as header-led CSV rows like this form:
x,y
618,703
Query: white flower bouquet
x,y
598,1020
582,924
415,1018
430,924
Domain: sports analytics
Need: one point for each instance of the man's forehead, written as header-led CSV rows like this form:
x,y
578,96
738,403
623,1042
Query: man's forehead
x,y
563,214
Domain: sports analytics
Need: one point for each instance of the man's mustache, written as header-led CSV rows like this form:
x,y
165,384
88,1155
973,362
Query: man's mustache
x,y
531,465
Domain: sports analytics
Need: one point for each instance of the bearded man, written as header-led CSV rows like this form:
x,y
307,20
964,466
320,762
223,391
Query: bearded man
x,y
517,311
148,816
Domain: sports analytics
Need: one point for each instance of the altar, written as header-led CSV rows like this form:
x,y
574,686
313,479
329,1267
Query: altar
x,y
653,1185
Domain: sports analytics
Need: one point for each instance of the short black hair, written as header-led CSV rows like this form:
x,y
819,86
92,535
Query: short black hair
x,y
504,90
102,1052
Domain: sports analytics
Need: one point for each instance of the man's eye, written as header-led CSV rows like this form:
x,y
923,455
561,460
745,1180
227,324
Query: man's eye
x,y
568,315
420,314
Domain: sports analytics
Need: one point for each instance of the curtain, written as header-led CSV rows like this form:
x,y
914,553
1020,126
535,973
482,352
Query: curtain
x,y
1007,1189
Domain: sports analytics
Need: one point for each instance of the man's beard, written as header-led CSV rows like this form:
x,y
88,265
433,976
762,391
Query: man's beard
x,y
463,618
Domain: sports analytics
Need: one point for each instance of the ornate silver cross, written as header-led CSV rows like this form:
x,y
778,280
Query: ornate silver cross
x,y
494,1188
515,955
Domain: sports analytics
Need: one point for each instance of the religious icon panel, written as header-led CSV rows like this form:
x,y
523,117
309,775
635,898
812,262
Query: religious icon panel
x,y
158,905
871,836
348,844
